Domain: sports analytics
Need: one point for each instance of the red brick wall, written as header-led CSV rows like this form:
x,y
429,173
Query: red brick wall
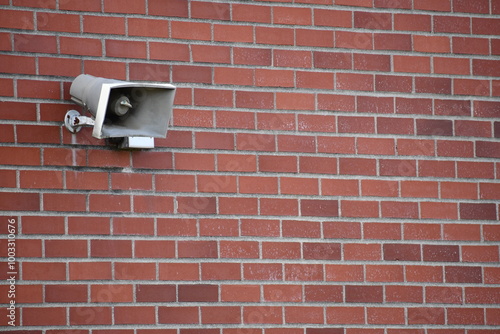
x,y
331,168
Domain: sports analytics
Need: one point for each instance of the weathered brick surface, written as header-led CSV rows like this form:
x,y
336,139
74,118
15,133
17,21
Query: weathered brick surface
x,y
331,167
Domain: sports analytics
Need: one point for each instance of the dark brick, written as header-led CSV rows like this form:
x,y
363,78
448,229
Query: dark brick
x,y
198,293
323,293
434,127
488,149
156,293
478,211
441,253
321,251
461,274
319,208
324,331
402,252
363,294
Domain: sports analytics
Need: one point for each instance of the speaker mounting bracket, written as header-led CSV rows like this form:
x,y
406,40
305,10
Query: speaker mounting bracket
x,y
73,121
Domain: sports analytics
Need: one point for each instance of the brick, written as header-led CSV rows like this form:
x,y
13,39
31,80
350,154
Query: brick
x,y
481,295
426,315
404,294
58,22
240,293
489,191
384,188
88,225
379,105
397,168
269,315
44,271
485,26
480,6
108,158
354,40
334,187
87,180
486,109
109,203
469,169
16,64
301,59
178,315
269,163
336,102
66,248
359,209
211,54
47,316
198,293
344,273
239,249
332,18
448,24
358,3
134,314
277,36
251,56
436,168
470,316
209,10
278,206
176,183
251,13
135,226
412,64
217,183
357,166
356,124
303,272
281,250
486,67
448,148
417,147
413,106
295,101
111,248
452,107
121,6
148,72
399,209
32,179
441,253
374,21
400,42
301,229
469,45
363,294
176,8
442,6
402,252
179,271
471,87
386,315
260,227
437,210
321,208
104,25
459,190
478,211
433,85
318,165
220,271
191,30
412,22
321,251
90,270
283,293
368,62
290,143
293,16
238,120
154,249
66,293
487,149
169,51
213,97
38,89
263,271
389,125
314,38
446,294
362,252
420,273
15,19
197,249
187,161
233,33
345,315
455,66
274,78
480,254
332,60
299,186
304,315
461,232
13,201
354,81
131,181
75,5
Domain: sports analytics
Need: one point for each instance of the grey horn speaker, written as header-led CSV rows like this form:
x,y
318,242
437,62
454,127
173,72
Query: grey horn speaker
x,y
124,109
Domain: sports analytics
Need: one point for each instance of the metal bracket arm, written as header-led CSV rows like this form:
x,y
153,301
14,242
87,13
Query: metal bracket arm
x,y
73,121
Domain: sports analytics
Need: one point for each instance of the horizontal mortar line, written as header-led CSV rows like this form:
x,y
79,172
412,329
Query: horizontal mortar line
x,y
249,261
246,216
284,304
264,196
